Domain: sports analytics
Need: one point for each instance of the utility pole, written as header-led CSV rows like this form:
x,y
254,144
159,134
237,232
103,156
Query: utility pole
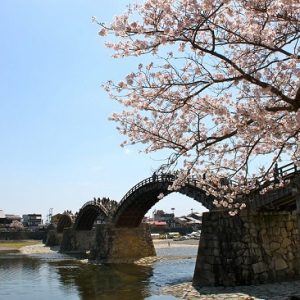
x,y
49,216
173,209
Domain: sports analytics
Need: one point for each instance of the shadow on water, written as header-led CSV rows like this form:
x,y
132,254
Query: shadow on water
x,y
122,281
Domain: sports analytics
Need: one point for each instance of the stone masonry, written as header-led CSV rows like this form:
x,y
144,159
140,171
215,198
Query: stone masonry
x,y
122,245
77,241
106,243
54,238
249,248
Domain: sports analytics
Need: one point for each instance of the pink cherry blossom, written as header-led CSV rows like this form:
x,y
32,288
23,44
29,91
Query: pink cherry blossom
x,y
223,101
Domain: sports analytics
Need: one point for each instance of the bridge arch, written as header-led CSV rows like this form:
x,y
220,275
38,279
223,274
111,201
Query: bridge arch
x,y
87,215
138,200
65,220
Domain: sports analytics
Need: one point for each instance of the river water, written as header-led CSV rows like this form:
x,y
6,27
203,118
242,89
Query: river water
x,y
55,276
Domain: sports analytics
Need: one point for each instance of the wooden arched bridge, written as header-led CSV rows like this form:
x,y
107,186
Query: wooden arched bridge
x,y
137,201
141,197
66,220
88,214
120,235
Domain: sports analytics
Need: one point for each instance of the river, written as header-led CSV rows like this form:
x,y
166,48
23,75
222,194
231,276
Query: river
x,y
52,276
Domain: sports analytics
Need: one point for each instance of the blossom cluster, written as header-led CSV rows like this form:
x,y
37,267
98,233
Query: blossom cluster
x,y
225,97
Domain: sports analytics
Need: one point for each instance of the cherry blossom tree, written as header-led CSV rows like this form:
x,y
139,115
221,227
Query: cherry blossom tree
x,y
16,225
221,90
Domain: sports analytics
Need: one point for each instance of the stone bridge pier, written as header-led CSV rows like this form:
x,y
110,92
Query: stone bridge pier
x,y
250,248
121,244
77,241
55,235
110,244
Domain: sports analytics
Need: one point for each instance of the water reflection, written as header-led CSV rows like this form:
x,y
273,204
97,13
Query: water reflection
x,y
123,281
16,261
14,266
55,276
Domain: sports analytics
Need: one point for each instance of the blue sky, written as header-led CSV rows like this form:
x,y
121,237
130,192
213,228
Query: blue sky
x,y
58,149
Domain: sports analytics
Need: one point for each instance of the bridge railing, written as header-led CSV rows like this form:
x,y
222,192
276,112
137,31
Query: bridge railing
x,y
287,170
92,202
154,178
284,172
164,177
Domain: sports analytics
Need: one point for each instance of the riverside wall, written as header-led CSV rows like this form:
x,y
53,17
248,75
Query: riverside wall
x,y
23,235
249,248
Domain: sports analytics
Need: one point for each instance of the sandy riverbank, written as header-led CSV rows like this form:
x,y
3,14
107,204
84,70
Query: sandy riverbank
x,y
38,248
28,247
16,245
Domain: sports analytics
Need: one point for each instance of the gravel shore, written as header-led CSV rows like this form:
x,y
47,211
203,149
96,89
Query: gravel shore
x,y
274,291
170,243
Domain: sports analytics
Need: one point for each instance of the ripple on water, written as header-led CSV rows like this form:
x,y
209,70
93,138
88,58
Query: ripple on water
x,y
57,276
